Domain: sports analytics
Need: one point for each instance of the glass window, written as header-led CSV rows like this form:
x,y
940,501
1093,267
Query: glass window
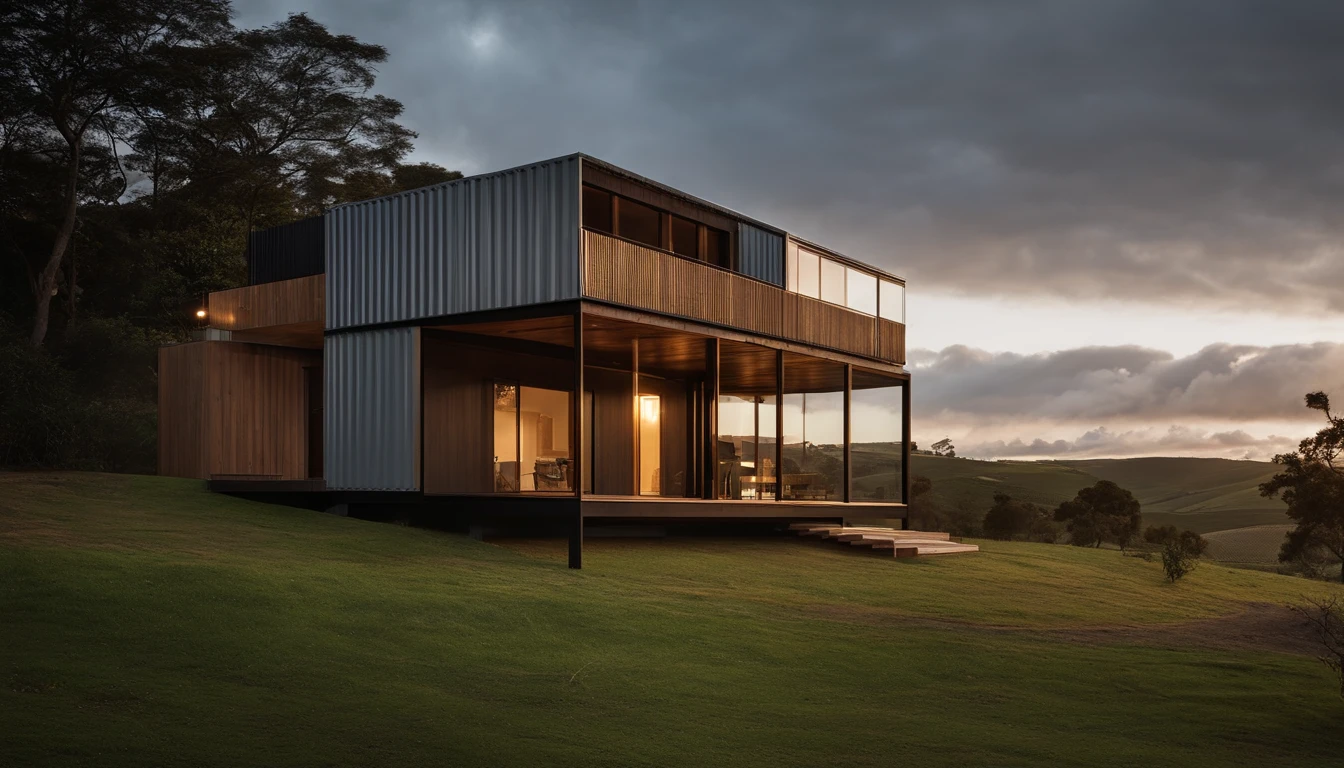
x,y
746,419
685,237
650,445
506,436
833,282
814,429
860,291
716,248
639,222
791,267
543,439
893,301
597,209
876,437
809,273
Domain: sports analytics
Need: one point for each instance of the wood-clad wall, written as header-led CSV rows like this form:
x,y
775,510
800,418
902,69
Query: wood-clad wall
x,y
458,390
234,409
182,410
613,449
284,302
891,341
633,275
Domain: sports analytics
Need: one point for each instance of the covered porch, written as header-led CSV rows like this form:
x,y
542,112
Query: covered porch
x,y
676,420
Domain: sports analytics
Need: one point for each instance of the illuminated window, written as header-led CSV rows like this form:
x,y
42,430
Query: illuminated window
x,y
892,301
650,445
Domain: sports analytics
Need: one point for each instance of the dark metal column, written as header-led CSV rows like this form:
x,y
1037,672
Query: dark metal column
x,y
711,445
576,461
779,424
905,451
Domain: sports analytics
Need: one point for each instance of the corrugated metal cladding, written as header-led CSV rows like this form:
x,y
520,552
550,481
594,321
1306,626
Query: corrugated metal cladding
x,y
761,254
287,251
372,425
506,239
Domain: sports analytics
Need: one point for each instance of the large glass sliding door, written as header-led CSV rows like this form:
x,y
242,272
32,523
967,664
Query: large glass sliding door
x,y
877,437
531,438
748,386
814,429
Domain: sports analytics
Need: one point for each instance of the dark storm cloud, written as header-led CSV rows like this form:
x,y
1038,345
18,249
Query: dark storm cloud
x,y
1127,385
1143,149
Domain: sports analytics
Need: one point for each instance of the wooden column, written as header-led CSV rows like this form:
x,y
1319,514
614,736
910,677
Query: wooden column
x,y
634,388
711,425
849,464
576,461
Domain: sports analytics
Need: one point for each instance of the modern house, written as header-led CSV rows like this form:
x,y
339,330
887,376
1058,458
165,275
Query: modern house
x,y
562,341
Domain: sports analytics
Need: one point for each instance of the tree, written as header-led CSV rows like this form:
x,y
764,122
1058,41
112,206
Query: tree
x,y
1008,518
1325,616
1312,485
1103,512
1166,534
78,65
944,447
1177,560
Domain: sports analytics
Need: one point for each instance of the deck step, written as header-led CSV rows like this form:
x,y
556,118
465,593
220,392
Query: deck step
x,y
900,543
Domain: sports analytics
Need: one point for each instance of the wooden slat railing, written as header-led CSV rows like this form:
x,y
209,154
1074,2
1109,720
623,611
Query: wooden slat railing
x,y
634,275
284,302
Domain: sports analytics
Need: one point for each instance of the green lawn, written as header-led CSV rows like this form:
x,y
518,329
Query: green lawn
x,y
144,622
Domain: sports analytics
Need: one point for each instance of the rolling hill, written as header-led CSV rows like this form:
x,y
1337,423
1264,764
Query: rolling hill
x,y
1203,495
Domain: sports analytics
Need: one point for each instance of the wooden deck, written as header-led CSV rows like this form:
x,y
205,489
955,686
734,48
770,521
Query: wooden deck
x,y
899,543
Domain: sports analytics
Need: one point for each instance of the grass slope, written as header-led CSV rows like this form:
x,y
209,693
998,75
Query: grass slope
x,y
146,622
1200,494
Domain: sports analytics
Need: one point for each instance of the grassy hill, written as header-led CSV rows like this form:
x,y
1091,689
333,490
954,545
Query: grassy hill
x,y
1200,494
146,622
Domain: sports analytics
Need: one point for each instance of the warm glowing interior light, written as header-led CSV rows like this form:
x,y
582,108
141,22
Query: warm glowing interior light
x,y
648,408
200,313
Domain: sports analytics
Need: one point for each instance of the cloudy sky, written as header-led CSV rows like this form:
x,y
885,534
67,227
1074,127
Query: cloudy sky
x,y
1120,222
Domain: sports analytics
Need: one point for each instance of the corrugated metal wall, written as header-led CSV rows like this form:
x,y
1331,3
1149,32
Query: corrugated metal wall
x,y
287,251
761,254
372,410
502,240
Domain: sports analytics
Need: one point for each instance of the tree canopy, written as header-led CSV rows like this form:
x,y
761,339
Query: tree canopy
x,y
140,142
1101,513
1311,483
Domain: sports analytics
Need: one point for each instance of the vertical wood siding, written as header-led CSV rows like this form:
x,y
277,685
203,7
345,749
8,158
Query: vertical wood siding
x,y
626,273
232,409
500,240
372,410
283,302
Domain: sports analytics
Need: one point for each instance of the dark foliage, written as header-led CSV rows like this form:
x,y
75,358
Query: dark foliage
x,y
1312,485
1188,540
1009,518
1104,512
105,255
1325,616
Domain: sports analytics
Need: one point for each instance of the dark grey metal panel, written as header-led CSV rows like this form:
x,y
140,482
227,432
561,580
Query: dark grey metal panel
x,y
499,240
761,254
287,251
372,410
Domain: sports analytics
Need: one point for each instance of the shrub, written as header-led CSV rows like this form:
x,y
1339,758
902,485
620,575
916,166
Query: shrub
x,y
1177,561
